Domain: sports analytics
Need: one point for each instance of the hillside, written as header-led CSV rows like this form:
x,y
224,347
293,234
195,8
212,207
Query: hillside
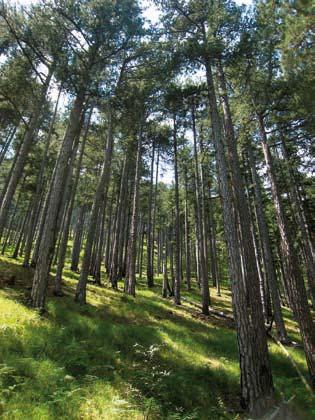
x,y
123,357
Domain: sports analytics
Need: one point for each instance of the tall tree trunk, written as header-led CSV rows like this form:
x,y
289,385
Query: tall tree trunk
x,y
41,223
213,245
295,282
166,289
78,235
110,230
10,226
202,256
8,177
206,210
51,220
66,198
268,263
263,281
155,207
100,194
302,223
171,248
7,144
28,139
177,284
119,226
187,238
150,245
123,252
139,244
100,245
68,215
39,187
22,232
130,282
141,252
256,379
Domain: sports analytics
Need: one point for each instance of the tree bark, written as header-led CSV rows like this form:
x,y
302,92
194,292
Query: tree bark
x,y
11,223
166,289
100,194
119,231
256,379
202,256
100,245
213,245
22,232
23,153
302,224
7,144
141,252
68,215
130,282
155,208
187,239
177,278
39,188
295,282
150,246
268,263
40,281
77,241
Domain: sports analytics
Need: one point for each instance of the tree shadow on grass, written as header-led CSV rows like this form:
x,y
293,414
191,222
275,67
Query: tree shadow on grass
x,y
144,351
121,345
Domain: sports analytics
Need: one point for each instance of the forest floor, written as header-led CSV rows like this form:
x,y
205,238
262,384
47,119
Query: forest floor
x,y
124,358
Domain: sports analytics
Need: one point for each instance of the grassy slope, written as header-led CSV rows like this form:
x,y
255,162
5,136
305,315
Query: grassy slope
x,y
123,358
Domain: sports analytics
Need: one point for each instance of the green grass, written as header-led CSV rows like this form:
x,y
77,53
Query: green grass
x,y
124,358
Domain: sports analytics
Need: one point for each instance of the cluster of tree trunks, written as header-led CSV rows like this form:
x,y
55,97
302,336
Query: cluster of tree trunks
x,y
117,231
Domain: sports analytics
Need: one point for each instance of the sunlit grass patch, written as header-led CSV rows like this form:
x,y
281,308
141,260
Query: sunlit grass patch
x,y
124,357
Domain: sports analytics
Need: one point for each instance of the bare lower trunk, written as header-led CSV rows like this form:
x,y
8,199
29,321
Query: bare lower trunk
x,y
28,139
302,224
12,218
40,281
22,233
187,238
100,194
177,283
295,282
150,279
213,245
7,181
166,290
141,254
155,211
130,283
201,252
39,189
41,223
77,241
69,210
256,379
109,233
119,231
268,263
100,246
